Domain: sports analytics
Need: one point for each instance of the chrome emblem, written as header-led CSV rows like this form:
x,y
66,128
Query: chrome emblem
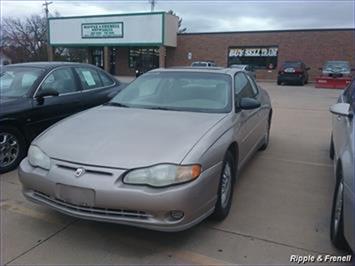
x,y
79,172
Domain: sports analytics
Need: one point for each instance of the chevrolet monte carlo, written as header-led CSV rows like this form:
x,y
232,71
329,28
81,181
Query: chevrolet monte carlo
x,y
163,154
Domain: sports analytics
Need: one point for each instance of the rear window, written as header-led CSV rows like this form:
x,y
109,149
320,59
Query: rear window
x,y
199,64
106,81
337,66
292,64
89,78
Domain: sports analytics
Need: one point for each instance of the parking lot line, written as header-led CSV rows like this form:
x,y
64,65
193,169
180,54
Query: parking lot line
x,y
296,161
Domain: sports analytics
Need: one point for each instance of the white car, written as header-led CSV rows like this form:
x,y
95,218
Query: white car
x,y
342,151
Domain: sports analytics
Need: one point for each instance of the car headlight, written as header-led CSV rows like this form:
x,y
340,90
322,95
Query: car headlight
x,y
38,158
162,175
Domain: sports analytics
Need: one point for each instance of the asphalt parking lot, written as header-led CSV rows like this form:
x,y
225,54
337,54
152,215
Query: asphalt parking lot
x,y
281,206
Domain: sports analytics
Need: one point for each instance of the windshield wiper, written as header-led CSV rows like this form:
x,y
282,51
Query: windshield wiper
x,y
116,104
161,108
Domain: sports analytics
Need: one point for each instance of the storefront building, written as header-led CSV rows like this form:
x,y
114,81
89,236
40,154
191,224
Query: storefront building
x,y
118,43
122,43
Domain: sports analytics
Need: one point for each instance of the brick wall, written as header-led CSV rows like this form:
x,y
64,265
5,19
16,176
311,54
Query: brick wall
x,y
314,47
122,68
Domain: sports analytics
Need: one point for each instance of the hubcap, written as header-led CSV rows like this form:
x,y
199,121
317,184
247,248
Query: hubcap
x,y
9,149
338,207
226,185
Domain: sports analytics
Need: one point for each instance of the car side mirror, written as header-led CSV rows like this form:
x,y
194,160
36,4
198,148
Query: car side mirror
x,y
342,109
47,92
308,68
321,68
249,103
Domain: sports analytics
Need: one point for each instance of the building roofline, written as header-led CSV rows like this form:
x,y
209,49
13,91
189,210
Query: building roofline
x,y
112,15
266,31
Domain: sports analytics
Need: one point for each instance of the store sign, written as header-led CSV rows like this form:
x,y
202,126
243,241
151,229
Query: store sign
x,y
102,30
253,52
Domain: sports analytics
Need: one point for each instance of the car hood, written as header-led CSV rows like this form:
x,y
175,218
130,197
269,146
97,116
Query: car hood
x,y
126,137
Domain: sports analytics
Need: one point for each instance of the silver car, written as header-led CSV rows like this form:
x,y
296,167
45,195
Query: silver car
x,y
163,154
342,151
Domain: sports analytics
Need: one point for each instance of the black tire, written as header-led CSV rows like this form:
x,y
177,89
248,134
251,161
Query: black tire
x,y
279,82
331,149
267,140
303,81
7,164
337,224
222,207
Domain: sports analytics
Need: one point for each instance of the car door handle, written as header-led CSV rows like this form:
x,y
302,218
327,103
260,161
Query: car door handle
x,y
338,117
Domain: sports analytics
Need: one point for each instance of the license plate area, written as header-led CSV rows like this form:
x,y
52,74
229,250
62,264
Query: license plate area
x,y
76,195
289,70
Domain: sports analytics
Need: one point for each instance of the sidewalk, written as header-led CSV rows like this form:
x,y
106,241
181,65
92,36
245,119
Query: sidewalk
x,y
125,79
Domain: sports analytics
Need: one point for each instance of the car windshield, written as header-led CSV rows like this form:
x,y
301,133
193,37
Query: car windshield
x,y
178,91
337,66
292,65
17,81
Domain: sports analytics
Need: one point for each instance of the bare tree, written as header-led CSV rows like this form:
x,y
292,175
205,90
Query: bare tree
x,y
27,35
180,29
26,40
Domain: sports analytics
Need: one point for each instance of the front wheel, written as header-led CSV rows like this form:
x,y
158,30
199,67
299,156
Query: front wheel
x,y
12,148
225,188
337,222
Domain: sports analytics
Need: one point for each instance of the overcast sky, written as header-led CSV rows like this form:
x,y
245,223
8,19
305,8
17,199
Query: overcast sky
x,y
207,16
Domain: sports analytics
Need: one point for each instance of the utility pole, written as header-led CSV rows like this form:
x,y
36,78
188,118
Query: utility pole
x,y
49,48
152,5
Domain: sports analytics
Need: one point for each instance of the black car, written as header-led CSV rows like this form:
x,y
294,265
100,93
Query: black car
x,y
33,96
293,72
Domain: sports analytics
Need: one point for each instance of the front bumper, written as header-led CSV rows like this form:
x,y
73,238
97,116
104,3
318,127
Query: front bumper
x,y
101,195
332,82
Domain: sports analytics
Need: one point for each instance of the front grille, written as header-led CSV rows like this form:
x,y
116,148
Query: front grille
x,y
103,212
72,168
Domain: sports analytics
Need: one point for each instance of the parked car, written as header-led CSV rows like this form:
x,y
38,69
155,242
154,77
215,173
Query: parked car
x,y
34,96
293,72
335,75
342,152
248,68
203,64
163,154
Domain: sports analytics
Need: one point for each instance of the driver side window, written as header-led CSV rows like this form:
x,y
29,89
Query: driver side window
x,y
61,80
242,86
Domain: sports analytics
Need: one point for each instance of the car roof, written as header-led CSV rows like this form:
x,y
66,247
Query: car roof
x,y
218,70
47,65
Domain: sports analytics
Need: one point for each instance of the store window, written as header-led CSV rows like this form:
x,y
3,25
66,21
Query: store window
x,y
258,57
143,58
